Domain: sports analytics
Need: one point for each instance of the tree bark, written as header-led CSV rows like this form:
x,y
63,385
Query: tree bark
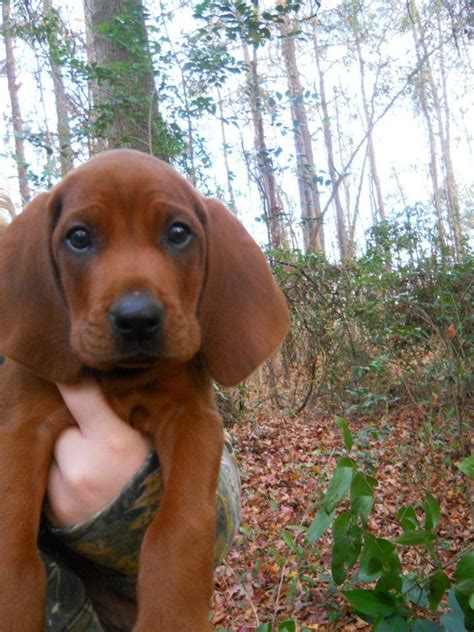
x,y
433,164
125,96
375,179
225,152
440,107
17,121
305,168
60,96
266,178
451,184
342,240
96,143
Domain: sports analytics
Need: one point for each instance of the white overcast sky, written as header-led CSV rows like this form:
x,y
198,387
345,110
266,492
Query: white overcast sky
x,y
400,138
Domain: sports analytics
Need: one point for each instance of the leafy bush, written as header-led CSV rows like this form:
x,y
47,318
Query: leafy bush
x,y
376,332
372,572
369,569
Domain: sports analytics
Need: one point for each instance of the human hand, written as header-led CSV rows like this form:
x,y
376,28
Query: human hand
x,y
94,460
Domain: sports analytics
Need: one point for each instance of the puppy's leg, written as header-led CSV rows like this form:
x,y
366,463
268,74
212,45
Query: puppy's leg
x,y
176,574
26,446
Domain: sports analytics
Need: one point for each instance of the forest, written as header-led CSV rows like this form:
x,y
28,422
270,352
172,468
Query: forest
x,y
340,133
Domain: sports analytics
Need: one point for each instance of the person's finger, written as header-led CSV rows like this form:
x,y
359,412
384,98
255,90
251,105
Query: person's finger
x,y
89,408
69,444
58,506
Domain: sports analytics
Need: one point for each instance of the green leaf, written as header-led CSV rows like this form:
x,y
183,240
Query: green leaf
x,y
467,467
288,540
413,538
432,512
453,621
392,624
362,485
407,518
390,581
354,533
340,548
372,602
338,571
287,626
264,627
338,488
439,584
321,522
346,433
464,589
346,461
374,555
466,586
362,506
465,568
424,625
415,591
362,491
467,610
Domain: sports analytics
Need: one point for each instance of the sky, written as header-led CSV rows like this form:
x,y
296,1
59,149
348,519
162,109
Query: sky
x,y
400,138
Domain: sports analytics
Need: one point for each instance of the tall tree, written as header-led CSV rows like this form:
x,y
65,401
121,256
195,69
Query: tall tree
x,y
436,111
52,22
44,24
125,93
343,243
351,187
240,21
17,120
358,29
312,218
96,142
273,211
225,152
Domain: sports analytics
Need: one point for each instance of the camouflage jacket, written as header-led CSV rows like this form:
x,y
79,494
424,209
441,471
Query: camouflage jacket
x,y
111,539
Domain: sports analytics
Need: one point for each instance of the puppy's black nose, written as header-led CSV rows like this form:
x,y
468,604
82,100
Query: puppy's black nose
x,y
137,317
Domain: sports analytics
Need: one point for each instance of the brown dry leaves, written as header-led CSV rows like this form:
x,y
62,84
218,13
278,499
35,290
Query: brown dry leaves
x,y
285,466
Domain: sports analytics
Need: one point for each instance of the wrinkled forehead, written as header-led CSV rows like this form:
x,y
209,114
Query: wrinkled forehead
x,y
127,181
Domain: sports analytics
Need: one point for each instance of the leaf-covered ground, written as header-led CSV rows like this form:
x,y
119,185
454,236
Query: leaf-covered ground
x,y
285,466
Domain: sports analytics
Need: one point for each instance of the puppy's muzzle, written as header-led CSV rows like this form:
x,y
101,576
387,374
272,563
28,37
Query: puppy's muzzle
x,y
137,321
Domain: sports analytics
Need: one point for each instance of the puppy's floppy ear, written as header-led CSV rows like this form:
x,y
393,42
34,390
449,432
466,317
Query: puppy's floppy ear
x,y
34,321
243,314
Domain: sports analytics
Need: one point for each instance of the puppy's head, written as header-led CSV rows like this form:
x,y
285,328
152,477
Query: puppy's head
x,y
124,265
129,247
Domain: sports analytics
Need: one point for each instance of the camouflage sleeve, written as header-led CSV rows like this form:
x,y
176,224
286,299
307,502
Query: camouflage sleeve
x,y
112,537
67,607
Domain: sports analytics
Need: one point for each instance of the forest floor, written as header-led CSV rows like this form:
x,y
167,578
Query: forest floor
x,y
285,466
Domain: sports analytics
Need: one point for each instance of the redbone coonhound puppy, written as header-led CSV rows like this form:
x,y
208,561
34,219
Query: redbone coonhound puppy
x,y
125,272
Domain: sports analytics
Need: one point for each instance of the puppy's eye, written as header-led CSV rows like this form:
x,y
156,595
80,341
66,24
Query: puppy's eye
x,y
179,235
79,239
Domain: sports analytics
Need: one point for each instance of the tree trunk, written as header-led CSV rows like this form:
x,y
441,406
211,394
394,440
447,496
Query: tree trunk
x,y
451,184
17,120
375,180
225,151
126,101
60,96
305,168
48,140
433,165
341,137
444,133
342,240
442,116
266,179
96,143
